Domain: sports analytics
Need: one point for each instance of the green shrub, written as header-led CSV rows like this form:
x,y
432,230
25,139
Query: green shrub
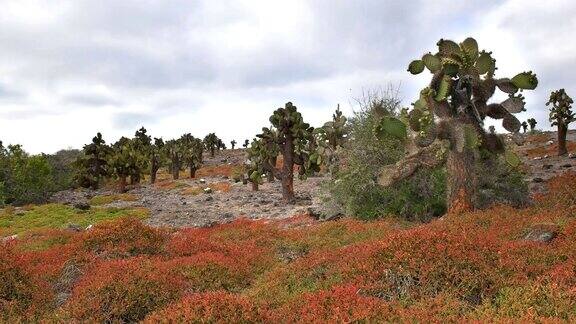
x,y
355,188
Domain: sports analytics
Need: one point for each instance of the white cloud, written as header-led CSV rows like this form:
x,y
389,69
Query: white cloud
x,y
70,68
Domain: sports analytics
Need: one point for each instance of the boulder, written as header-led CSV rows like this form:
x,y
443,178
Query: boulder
x,y
74,228
208,190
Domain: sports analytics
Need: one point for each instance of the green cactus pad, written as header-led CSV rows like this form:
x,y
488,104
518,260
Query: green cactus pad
x,y
432,62
506,85
470,47
443,89
451,69
391,126
416,67
512,159
525,80
448,47
484,63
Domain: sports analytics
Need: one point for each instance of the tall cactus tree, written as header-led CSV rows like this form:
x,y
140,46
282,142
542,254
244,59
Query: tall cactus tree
x,y
561,115
92,165
175,156
246,143
125,160
156,154
453,108
331,136
532,122
211,143
294,141
192,149
233,143
143,144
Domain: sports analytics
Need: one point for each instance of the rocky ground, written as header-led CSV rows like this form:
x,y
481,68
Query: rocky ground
x,y
541,160
185,202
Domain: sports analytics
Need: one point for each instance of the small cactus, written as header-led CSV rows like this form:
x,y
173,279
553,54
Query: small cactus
x,y
561,115
532,122
233,143
524,126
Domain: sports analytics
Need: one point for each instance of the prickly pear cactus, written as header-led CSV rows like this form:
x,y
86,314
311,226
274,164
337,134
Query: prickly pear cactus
x,y
295,138
454,106
561,115
532,122
92,166
330,137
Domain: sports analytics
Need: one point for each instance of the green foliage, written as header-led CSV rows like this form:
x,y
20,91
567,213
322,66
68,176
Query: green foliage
x,y
356,190
175,156
59,216
24,178
62,164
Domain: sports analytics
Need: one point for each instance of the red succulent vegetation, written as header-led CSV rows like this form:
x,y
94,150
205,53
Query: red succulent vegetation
x,y
475,267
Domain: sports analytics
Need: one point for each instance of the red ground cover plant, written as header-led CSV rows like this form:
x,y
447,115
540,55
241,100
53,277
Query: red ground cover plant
x,y
124,290
210,307
23,295
474,267
124,237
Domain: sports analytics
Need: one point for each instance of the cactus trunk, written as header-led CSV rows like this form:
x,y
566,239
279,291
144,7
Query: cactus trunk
x,y
254,186
461,184
153,170
122,184
562,131
175,171
192,172
212,152
288,170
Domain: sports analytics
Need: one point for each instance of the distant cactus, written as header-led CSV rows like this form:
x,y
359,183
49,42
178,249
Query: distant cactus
x,y
330,137
143,144
453,108
221,145
233,143
211,143
532,122
156,158
561,115
126,160
246,143
524,126
294,141
173,151
192,149
92,166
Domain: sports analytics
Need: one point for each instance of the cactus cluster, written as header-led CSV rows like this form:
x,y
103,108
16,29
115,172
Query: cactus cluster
x,y
561,115
126,160
453,108
192,149
212,143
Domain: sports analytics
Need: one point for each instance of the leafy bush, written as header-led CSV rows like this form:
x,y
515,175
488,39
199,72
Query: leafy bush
x,y
356,189
25,178
62,167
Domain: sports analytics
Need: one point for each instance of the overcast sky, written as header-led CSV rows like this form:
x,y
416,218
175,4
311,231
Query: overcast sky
x,y
69,69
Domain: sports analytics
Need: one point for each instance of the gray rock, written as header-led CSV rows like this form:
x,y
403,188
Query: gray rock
x,y
542,233
74,228
202,181
547,166
567,165
82,205
209,198
538,180
208,190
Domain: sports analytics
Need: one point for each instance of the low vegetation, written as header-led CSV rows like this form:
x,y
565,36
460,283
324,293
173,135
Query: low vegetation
x,y
474,267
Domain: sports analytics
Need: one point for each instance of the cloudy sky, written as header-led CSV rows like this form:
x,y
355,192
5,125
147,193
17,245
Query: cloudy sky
x,y
70,68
